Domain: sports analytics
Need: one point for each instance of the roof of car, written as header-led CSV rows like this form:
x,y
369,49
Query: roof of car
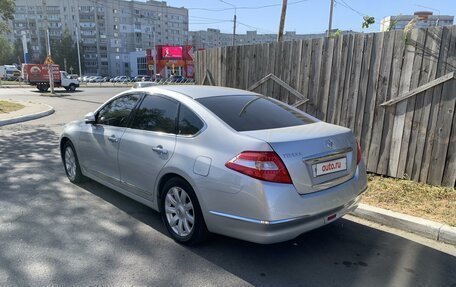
x,y
198,91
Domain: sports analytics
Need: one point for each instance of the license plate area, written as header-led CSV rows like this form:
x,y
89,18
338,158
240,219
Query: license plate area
x,y
330,166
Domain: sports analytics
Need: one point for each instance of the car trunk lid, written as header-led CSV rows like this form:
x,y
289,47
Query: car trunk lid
x,y
317,156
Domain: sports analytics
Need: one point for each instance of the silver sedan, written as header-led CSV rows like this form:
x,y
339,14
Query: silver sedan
x,y
221,160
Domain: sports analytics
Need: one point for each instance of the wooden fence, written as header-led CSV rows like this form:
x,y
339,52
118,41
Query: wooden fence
x,y
347,78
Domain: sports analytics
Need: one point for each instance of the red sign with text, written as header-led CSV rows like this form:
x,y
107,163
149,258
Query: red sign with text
x,y
171,52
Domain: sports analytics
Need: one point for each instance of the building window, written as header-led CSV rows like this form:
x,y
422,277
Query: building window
x,y
116,27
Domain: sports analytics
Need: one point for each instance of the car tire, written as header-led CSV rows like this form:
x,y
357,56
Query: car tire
x,y
71,163
178,215
72,87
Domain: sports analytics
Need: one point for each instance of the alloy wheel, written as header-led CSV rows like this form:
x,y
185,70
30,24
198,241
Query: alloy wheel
x,y
179,211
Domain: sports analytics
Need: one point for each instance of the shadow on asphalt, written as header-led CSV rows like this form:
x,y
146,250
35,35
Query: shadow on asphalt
x,y
72,233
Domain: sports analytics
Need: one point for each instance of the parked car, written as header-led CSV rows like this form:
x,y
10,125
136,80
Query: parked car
x,y
96,79
139,85
176,79
137,78
222,160
10,73
113,80
123,79
146,79
106,79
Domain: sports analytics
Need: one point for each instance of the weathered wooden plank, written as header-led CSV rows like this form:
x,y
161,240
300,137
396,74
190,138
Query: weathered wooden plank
x,y
421,116
395,78
323,90
347,83
420,89
288,88
294,70
449,175
341,77
305,67
371,95
333,81
382,91
288,66
364,81
416,72
271,67
317,46
299,67
401,108
433,108
355,80
444,120
259,83
443,130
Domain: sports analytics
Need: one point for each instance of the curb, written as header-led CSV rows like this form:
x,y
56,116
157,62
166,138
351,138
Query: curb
x,y
30,117
430,229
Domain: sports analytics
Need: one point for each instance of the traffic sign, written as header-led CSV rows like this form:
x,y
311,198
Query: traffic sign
x,y
48,60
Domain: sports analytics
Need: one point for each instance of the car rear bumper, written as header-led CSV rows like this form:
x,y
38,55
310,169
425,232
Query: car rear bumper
x,y
268,232
270,213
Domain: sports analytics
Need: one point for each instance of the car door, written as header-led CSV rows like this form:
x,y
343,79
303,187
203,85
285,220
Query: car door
x,y
100,141
148,144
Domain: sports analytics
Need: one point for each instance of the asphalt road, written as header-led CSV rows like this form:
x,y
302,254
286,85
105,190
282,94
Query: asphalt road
x,y
55,233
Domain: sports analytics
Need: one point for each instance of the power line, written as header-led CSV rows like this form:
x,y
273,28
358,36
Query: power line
x,y
247,7
346,5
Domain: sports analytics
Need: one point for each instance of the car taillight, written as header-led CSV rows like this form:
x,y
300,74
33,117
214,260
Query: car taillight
x,y
358,152
264,165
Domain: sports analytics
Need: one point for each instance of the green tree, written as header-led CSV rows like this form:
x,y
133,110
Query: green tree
x,y
6,52
18,51
367,21
65,48
7,8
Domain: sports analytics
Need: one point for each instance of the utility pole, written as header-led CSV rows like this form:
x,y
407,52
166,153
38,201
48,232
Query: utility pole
x,y
154,55
234,27
48,48
234,20
79,53
50,68
331,6
282,21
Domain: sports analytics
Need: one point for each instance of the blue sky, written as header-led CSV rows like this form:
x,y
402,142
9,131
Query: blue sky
x,y
308,16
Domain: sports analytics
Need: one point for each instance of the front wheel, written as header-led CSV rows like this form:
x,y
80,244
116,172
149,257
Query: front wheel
x,y
181,212
72,87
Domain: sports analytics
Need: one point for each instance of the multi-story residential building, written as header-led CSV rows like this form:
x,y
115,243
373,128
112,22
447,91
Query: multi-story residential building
x,y
108,30
425,19
211,38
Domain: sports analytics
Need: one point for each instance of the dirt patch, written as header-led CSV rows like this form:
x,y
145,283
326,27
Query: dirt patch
x,y
422,200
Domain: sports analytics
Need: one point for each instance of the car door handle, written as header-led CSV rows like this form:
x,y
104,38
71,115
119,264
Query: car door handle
x,y
113,139
159,149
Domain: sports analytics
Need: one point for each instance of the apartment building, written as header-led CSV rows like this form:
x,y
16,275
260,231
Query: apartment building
x,y
108,30
212,38
425,19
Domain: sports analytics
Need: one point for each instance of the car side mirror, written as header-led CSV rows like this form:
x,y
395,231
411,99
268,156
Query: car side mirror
x,y
90,118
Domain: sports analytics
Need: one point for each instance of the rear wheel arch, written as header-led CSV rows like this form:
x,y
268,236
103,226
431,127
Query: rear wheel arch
x,y
163,180
168,176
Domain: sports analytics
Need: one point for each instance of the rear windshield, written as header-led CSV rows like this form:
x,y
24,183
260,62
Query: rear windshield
x,y
250,112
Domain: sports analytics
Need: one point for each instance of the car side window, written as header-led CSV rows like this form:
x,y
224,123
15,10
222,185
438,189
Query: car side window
x,y
117,111
189,122
156,114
